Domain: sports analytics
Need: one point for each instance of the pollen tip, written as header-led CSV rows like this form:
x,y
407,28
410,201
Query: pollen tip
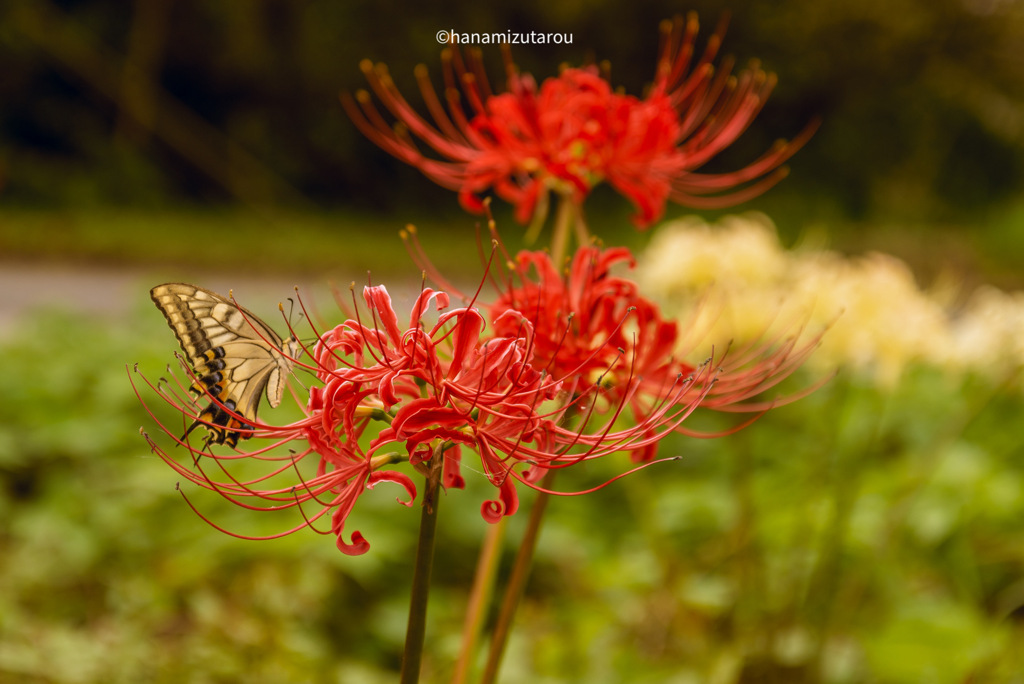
x,y
420,70
366,66
362,96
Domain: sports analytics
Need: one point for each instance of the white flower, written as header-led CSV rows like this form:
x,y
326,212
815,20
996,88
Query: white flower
x,y
735,282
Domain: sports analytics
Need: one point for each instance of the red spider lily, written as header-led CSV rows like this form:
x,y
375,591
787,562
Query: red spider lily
x,y
439,388
595,330
574,131
588,317
447,384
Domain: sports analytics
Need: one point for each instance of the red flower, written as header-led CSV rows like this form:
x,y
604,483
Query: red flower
x,y
573,131
595,328
447,383
544,390
438,388
589,324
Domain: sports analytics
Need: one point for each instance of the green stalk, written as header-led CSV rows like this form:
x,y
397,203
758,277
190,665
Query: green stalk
x,y
567,217
416,630
479,598
563,222
517,582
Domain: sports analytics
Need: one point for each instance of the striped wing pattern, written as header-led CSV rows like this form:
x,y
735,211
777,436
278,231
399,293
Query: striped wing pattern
x,y
235,356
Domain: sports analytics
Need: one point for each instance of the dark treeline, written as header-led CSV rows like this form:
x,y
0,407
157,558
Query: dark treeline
x,y
162,101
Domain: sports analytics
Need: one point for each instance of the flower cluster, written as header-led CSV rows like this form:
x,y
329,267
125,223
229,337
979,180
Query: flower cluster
x,y
574,131
539,382
431,388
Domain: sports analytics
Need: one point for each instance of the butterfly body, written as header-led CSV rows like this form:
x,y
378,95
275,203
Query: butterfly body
x,y
236,357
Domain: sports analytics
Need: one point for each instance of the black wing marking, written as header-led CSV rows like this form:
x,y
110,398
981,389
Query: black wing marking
x,y
235,356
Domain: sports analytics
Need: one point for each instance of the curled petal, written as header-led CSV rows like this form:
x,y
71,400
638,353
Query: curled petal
x,y
357,547
507,503
400,479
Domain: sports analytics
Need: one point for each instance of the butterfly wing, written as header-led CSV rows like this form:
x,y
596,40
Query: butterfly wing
x,y
235,356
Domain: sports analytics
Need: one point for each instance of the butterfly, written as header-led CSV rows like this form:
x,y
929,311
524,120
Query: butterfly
x,y
236,358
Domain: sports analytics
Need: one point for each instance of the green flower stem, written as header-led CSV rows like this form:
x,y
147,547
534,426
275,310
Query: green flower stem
x,y
582,232
479,598
517,582
417,627
563,222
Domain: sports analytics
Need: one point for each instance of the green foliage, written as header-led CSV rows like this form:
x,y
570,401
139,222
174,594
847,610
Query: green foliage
x,y
340,246
853,536
105,575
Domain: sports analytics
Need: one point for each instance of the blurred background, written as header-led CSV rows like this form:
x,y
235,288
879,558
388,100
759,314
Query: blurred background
x,y
867,533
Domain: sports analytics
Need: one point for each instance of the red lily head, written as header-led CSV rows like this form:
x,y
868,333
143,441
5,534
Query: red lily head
x,y
444,383
574,131
589,323
594,328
